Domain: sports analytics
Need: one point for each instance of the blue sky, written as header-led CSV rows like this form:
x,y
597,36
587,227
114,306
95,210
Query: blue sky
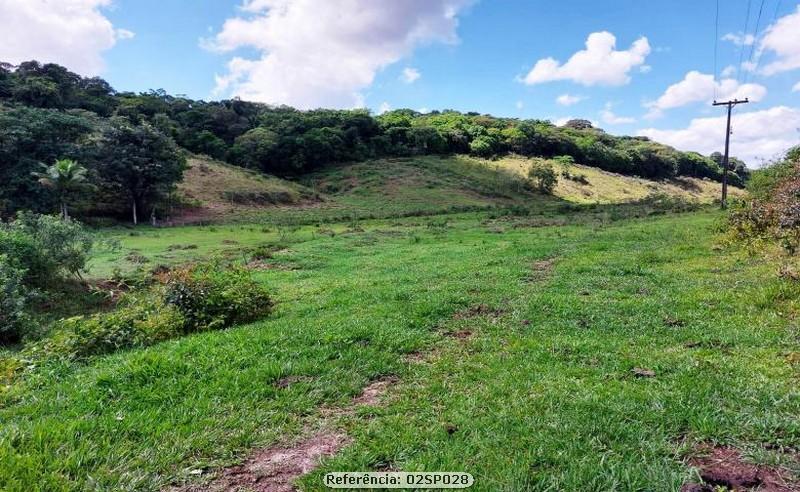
x,y
650,72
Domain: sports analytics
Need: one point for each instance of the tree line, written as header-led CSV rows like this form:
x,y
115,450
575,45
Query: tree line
x,y
131,144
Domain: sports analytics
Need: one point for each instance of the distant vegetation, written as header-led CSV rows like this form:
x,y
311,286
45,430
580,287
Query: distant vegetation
x,y
773,213
131,144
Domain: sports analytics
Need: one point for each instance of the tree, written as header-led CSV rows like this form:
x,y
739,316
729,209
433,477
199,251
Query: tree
x,y
543,176
64,178
143,163
579,124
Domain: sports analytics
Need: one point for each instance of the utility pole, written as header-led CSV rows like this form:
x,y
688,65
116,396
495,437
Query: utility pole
x,y
730,105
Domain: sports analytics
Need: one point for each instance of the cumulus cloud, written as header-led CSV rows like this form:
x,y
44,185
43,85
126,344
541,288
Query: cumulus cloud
x,y
608,116
796,87
696,87
384,107
599,64
73,33
755,136
315,53
782,40
728,71
410,75
569,100
739,39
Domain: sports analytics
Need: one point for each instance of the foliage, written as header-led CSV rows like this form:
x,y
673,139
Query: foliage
x,y
14,320
29,137
543,176
142,162
141,321
45,247
212,297
200,297
64,178
773,213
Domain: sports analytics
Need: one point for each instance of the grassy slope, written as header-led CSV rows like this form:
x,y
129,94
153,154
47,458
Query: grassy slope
x,y
207,184
548,404
410,186
606,187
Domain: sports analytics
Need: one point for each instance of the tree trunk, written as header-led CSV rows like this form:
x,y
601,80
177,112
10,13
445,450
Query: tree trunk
x,y
64,213
133,208
153,217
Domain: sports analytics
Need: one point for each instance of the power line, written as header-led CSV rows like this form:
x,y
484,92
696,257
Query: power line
x,y
761,51
716,43
755,41
741,47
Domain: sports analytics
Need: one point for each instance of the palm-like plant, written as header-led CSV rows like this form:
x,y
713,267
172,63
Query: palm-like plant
x,y
63,177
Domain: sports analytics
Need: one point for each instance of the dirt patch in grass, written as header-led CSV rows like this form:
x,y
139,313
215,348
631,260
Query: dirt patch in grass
x,y
275,469
478,310
722,468
290,380
460,334
540,270
374,391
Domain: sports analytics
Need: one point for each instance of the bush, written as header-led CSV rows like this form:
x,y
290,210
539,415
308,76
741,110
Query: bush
x,y
196,298
14,322
211,297
543,176
774,212
45,247
140,322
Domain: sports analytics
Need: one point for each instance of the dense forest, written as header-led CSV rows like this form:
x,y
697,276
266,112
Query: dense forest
x,y
128,149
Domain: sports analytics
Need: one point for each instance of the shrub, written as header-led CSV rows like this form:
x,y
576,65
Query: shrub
x,y
211,297
774,212
45,247
543,176
14,320
140,322
196,298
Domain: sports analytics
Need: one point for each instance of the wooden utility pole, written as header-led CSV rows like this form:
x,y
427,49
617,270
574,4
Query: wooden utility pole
x,y
730,105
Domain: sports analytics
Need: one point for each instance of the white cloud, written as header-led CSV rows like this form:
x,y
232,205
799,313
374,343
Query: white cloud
x,y
796,87
739,39
410,75
599,64
783,40
755,136
384,107
609,117
645,69
73,33
696,87
728,71
423,110
315,53
569,100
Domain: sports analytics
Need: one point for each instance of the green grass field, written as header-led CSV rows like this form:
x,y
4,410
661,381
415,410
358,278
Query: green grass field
x,y
512,343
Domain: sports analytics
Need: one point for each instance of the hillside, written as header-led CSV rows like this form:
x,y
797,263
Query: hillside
x,y
214,190
607,187
424,185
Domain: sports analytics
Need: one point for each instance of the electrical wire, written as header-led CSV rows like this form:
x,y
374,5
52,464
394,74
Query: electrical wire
x,y
741,47
750,66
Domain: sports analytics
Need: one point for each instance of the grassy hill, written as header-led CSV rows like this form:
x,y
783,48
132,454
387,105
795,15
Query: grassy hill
x,y
214,190
395,187
606,187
